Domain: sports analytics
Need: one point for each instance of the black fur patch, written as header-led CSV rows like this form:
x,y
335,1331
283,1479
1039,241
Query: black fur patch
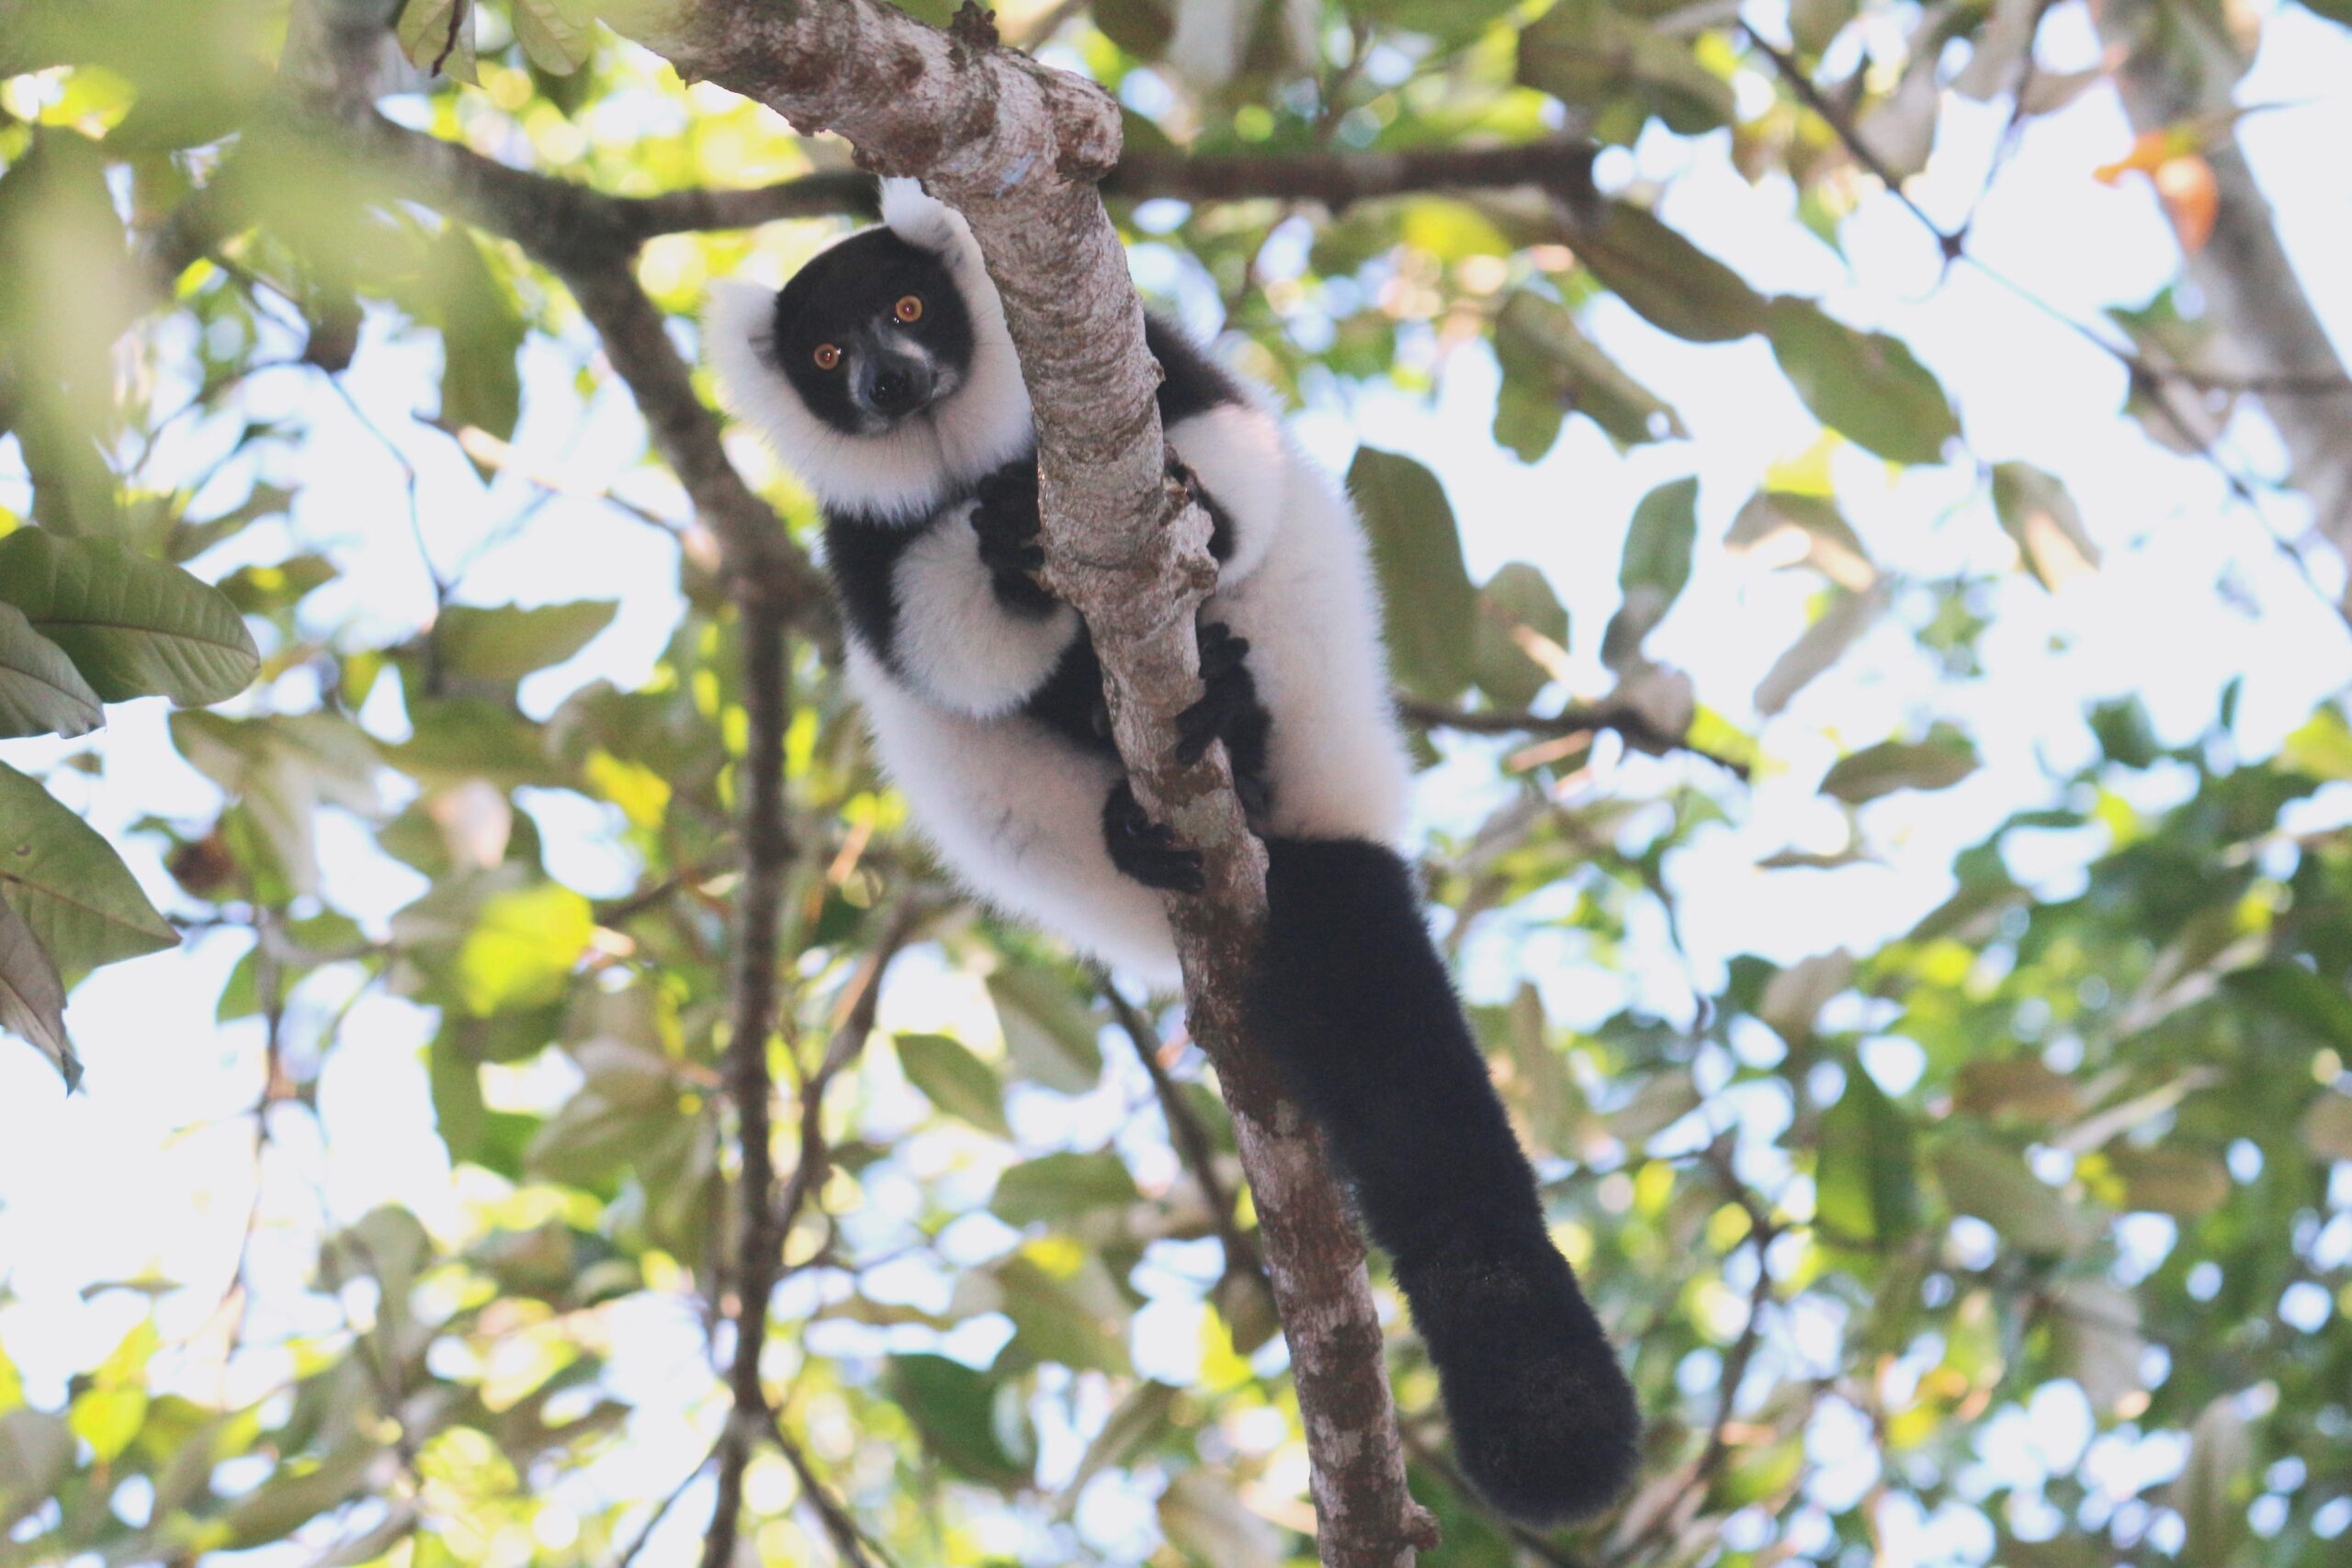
x,y
1355,1002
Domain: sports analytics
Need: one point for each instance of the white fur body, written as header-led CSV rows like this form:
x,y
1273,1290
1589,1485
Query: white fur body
x,y
1014,808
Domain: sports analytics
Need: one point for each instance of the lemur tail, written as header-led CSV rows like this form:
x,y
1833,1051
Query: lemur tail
x,y
1355,1004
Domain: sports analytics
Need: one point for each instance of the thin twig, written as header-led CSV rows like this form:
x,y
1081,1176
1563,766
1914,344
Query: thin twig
x,y
1189,1138
1577,718
856,1547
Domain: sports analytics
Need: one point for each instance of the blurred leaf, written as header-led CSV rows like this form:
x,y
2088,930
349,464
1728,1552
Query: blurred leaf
x,y
1417,549
134,628
32,997
1517,600
1992,1184
2211,1490
1049,1036
521,949
1866,385
954,1079
955,1409
1940,760
1596,59
2327,1126
1866,1184
481,330
1203,1517
1662,1099
2036,511
1780,528
1058,1188
1551,370
72,890
2024,1087
437,36
2183,1183
1795,995
36,1454
508,642
1654,568
283,768
1842,621
1669,281
1141,1416
261,590
558,35
2294,995
40,691
2099,1342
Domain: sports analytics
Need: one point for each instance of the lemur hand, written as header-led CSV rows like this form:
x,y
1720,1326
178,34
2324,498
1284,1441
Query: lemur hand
x,y
1229,711
1007,524
1144,850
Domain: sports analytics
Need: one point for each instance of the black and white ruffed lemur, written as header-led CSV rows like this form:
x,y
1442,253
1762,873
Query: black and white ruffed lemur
x,y
885,378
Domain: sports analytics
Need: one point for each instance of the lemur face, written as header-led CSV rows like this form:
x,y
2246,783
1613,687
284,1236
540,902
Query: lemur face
x,y
872,334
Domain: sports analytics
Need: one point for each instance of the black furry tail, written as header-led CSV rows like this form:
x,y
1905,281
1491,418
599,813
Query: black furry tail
x,y
1355,1003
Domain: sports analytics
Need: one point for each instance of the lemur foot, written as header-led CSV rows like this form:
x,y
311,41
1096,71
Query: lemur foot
x,y
1007,525
1229,711
1146,851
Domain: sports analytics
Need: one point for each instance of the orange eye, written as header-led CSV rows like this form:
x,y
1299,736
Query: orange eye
x,y
909,308
828,357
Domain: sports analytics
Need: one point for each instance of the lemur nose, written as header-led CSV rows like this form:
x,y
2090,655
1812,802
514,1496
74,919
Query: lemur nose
x,y
892,386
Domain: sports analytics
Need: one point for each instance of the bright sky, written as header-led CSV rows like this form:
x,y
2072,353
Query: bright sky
x,y
148,1172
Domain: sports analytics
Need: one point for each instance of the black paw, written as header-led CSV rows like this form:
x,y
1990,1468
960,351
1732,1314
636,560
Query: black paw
x,y
1146,851
1229,711
1007,526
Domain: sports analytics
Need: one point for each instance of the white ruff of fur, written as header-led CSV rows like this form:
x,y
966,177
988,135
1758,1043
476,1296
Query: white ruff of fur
x,y
902,474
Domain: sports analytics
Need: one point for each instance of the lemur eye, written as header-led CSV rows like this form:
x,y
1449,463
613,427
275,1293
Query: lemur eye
x,y
909,308
828,357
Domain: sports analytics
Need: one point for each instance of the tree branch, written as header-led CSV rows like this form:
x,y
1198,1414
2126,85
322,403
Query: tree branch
x,y
1577,718
767,857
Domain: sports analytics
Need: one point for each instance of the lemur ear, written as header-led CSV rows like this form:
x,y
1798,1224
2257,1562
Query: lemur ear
x,y
922,219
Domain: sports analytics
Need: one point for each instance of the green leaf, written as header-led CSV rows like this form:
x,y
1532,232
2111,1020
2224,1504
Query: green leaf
x,y
32,997
1588,54
2327,1126
1865,386
1049,1035
2036,511
956,1411
2216,1484
1842,620
1786,529
260,590
81,901
2294,995
1670,282
437,37
1516,601
1940,760
1202,1515
481,330
522,947
508,642
1551,370
1866,1181
1417,550
955,1080
40,691
2183,1183
282,768
1992,1184
558,35
1654,568
1061,1187
134,628
37,1453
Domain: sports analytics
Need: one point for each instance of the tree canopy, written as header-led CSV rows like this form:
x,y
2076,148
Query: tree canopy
x,y
1861,493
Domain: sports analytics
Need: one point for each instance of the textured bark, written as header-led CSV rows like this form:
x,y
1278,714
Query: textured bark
x,y
1017,148
2181,67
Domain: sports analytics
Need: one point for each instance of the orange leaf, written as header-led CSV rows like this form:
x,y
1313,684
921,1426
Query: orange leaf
x,y
2192,197
2149,150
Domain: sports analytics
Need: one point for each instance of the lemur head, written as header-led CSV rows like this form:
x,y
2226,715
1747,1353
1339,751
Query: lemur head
x,y
882,372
